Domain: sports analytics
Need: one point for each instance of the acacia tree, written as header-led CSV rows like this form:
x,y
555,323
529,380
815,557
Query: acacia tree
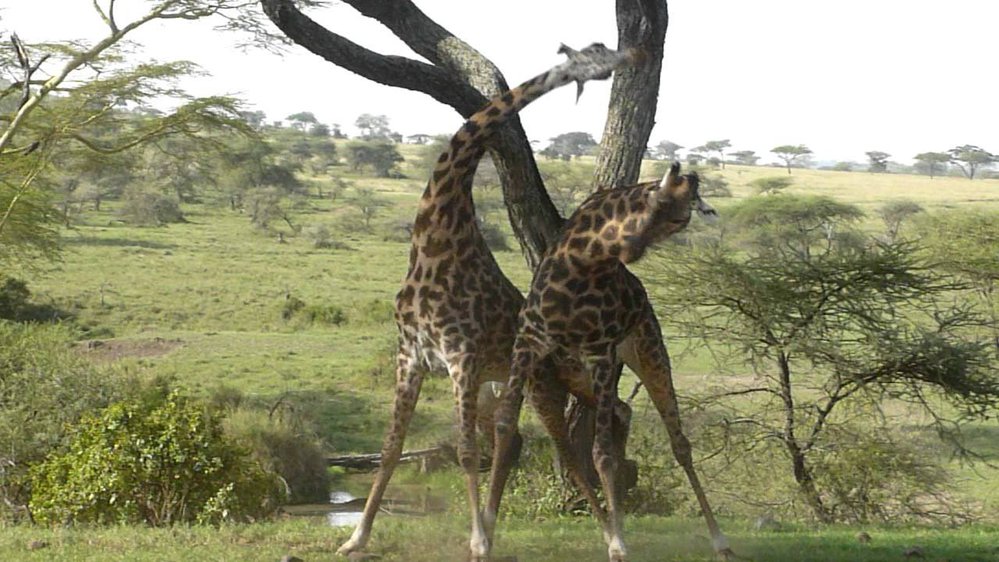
x,y
568,145
878,161
894,213
302,119
971,158
830,322
932,161
373,127
966,244
92,83
745,157
791,154
667,150
716,146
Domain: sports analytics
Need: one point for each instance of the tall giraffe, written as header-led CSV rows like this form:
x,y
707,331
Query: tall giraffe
x,y
585,304
456,310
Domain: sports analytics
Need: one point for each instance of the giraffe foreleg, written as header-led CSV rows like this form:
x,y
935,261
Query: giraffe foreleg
x,y
506,420
604,372
409,378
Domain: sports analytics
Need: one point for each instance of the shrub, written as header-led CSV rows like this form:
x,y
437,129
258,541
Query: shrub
x,y
280,443
871,478
661,485
16,305
149,208
537,490
159,464
321,238
44,386
295,309
495,237
771,185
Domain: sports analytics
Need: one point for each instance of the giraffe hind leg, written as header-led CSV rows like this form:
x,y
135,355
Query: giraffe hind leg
x,y
409,378
506,420
549,398
645,353
464,378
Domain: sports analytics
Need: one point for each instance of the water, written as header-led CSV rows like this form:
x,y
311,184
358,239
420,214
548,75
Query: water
x,y
345,510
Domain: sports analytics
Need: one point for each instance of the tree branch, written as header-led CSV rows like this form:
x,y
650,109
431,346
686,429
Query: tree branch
x,y
460,78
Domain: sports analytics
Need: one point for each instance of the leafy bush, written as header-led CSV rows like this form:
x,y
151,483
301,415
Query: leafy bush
x,y
280,443
160,463
295,309
495,237
321,238
771,185
375,311
44,386
661,484
871,478
149,208
536,490
16,305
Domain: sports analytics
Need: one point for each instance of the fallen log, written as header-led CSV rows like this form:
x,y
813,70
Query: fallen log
x,y
434,456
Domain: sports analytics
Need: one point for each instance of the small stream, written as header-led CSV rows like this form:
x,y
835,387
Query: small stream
x,y
345,510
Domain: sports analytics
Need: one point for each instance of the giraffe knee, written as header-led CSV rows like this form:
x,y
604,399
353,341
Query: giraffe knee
x,y
468,456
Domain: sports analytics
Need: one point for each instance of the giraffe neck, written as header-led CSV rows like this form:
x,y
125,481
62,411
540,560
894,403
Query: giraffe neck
x,y
620,224
447,201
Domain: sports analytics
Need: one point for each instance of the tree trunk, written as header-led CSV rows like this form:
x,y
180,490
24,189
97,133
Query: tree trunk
x,y
630,118
802,472
634,94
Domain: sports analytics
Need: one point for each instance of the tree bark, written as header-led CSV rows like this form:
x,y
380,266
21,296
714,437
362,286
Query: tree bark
x,y
802,472
459,77
634,94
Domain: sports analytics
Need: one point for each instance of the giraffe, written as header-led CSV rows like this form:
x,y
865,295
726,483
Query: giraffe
x,y
584,303
456,310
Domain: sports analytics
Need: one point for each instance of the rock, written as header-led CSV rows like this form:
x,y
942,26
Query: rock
x,y
863,537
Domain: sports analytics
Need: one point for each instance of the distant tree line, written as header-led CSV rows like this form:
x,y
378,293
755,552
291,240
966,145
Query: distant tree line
x,y
967,160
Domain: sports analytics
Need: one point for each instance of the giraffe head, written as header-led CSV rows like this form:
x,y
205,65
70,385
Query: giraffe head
x,y
622,223
674,200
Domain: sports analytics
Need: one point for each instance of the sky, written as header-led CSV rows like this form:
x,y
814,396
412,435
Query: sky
x,y
840,76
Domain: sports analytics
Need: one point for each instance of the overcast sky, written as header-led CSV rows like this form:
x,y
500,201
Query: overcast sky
x,y
843,76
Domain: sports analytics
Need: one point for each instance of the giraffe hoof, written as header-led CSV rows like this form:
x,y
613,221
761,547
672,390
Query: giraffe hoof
x,y
617,554
349,547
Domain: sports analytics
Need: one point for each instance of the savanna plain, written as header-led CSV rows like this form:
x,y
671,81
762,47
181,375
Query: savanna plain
x,y
205,304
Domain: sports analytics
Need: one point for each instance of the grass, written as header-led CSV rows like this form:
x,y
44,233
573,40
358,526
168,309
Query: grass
x,y
436,539
213,289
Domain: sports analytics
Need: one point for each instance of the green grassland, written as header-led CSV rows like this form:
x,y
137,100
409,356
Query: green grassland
x,y
202,302
437,540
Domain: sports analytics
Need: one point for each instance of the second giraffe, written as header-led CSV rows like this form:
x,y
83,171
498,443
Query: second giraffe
x,y
585,304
